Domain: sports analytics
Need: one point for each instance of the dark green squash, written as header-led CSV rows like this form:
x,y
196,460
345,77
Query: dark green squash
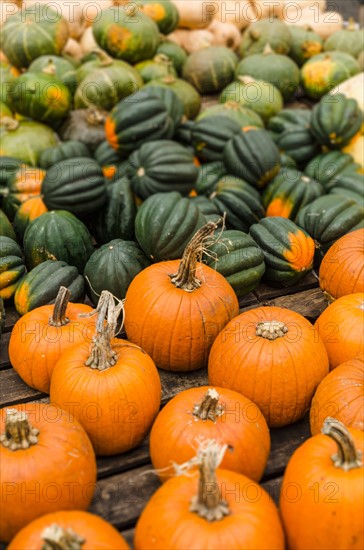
x,y
349,40
239,259
62,151
305,44
165,223
12,267
288,161
115,220
76,185
161,166
350,186
253,156
112,267
174,52
22,184
32,32
41,285
289,192
2,316
211,69
266,31
6,229
183,133
57,235
328,167
209,176
207,208
163,12
234,111
158,67
171,100
335,120
238,201
57,66
189,96
105,155
288,250
211,134
25,139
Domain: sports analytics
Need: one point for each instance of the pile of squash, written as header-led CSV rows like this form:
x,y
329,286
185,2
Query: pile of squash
x,y
118,181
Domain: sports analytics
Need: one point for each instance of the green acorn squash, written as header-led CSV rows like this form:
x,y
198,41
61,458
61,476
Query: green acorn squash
x,y
266,31
12,267
188,95
158,67
175,53
208,177
328,167
6,229
163,12
25,139
234,111
305,44
211,69
62,151
349,40
22,184
56,66
211,134
28,211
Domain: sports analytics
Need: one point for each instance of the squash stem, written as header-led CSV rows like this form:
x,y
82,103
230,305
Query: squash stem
x,y
186,278
57,538
19,433
50,68
271,330
59,318
9,123
209,408
347,457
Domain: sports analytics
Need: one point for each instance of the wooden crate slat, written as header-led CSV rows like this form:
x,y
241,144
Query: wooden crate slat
x,y
4,356
264,292
11,318
309,303
13,390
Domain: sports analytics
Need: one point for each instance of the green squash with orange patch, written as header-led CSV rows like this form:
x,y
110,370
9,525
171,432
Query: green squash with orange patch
x,y
25,139
23,182
290,191
126,34
288,250
26,213
163,12
12,267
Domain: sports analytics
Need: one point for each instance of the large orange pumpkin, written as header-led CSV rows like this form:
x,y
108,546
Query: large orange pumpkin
x,y
342,269
273,357
218,509
112,386
47,464
341,396
341,327
39,338
175,309
76,530
322,493
210,413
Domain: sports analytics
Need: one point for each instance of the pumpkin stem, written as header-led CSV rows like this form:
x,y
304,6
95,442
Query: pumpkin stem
x,y
50,68
9,123
169,79
102,355
245,79
209,408
103,57
271,330
19,433
57,538
267,50
59,318
352,26
163,59
347,457
185,278
208,503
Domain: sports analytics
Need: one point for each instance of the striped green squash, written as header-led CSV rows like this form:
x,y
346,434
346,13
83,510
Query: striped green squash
x,y
211,69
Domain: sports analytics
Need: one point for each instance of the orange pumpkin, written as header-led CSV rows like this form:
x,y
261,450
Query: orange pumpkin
x,y
273,357
218,509
322,494
39,338
341,396
47,464
114,384
69,529
342,269
341,327
210,413
175,309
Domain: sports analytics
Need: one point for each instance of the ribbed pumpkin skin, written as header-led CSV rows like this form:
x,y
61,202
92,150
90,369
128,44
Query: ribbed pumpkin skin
x,y
115,220
239,201
188,95
328,167
211,69
164,13
26,213
161,166
8,75
262,97
76,185
112,267
340,395
174,52
239,259
253,156
32,32
41,285
305,44
244,527
27,141
22,184
327,219
210,135
279,375
41,97
348,185
62,151
95,530
288,251
132,37
349,40
185,324
209,176
165,223
6,229
139,118
266,31
56,65
57,235
12,268
105,155
342,269
171,100
290,191
158,67
335,120
241,114
341,328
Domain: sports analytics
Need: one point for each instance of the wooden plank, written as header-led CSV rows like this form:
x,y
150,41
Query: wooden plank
x,y
248,300
264,292
11,318
13,390
175,382
4,357
309,303
128,535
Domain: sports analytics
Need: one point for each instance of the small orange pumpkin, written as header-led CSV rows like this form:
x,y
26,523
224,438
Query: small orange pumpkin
x,y
114,384
175,309
39,338
341,327
47,464
342,269
341,396
273,357
210,413
69,529
322,493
